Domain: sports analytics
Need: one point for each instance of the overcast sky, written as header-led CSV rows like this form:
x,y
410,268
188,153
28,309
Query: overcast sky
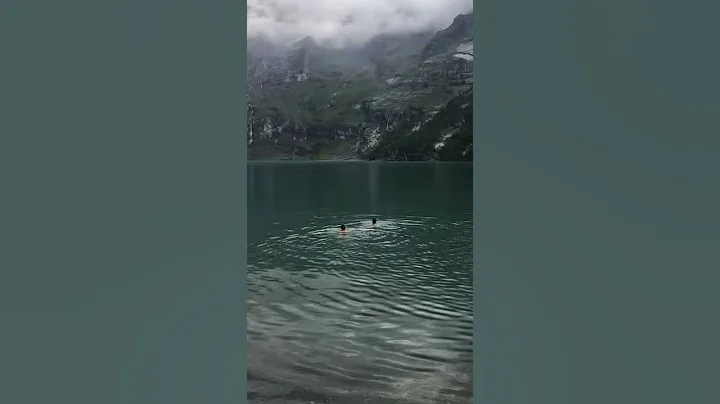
x,y
348,21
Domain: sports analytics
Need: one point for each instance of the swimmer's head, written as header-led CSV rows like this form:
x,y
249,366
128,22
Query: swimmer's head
x,y
374,220
342,227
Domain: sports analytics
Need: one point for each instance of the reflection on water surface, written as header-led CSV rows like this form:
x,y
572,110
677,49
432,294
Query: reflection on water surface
x,y
382,314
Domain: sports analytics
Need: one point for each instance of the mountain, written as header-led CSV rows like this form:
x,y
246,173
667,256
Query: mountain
x,y
397,97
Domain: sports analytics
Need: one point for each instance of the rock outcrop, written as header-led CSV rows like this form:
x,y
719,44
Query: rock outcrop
x,y
398,97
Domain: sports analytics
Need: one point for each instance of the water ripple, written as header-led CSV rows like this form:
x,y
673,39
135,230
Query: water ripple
x,y
382,314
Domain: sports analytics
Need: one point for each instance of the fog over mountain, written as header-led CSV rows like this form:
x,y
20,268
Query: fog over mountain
x,y
348,22
349,79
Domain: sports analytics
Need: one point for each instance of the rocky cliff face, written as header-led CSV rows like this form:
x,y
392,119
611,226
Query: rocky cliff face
x,y
402,97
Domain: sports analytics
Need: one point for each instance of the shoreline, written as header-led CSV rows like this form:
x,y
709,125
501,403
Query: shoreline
x,y
285,158
305,161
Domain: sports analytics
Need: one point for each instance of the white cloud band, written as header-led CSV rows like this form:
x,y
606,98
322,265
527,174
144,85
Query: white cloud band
x,y
348,21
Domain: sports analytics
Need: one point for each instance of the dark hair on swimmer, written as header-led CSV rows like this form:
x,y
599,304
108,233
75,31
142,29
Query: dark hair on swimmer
x,y
342,227
374,220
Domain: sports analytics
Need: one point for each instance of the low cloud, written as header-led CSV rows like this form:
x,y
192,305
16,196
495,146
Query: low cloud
x,y
345,22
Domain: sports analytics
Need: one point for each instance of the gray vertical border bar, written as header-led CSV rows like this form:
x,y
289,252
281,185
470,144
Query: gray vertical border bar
x,y
480,68
596,202
123,197
243,183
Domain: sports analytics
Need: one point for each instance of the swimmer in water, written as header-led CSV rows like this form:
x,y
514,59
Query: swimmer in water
x,y
374,221
343,230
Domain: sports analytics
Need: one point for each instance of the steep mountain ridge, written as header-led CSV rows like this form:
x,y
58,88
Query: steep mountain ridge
x,y
398,97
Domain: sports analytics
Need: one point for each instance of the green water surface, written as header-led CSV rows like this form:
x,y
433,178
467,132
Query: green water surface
x,y
382,314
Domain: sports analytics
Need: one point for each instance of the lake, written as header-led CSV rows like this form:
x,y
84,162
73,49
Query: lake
x,y
382,314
